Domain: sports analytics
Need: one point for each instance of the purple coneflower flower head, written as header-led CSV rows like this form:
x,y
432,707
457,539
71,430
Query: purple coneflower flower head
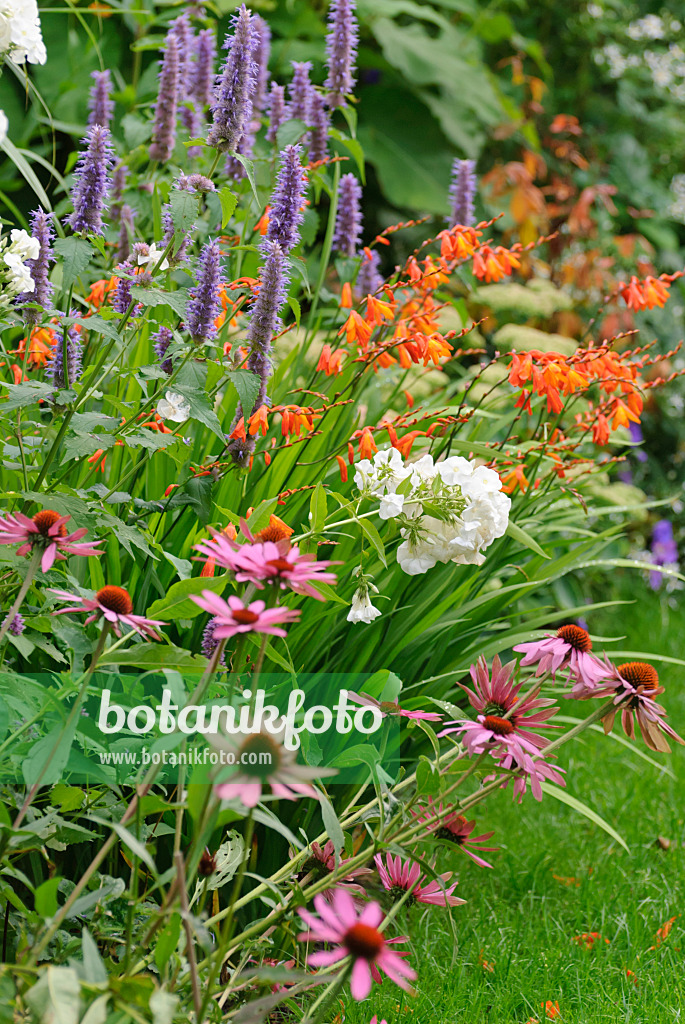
x,y
232,106
341,51
399,877
323,859
463,192
115,605
285,215
262,50
534,770
497,695
664,551
454,828
318,119
17,625
278,114
356,935
100,104
203,69
63,375
348,222
92,181
636,685
126,230
46,530
161,341
392,708
569,648
300,90
164,129
637,437
288,779
41,228
204,304
369,278
232,616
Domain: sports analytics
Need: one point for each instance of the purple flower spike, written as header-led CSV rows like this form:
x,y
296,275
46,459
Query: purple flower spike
x,y
463,192
100,105
664,552
348,223
181,28
203,77
92,181
162,339
369,278
121,300
261,54
278,114
318,118
117,192
286,214
264,323
164,131
341,51
300,90
204,304
41,228
55,371
232,107
17,626
125,232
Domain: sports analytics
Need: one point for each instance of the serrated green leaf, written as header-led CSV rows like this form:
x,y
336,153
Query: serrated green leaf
x,y
76,254
246,384
156,297
228,202
26,394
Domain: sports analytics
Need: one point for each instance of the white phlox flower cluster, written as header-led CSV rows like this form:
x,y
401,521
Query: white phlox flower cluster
x,y
448,511
15,276
21,38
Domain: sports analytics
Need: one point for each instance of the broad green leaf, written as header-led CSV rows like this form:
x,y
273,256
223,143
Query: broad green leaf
x,y
76,254
176,603
331,824
156,297
45,899
56,996
228,202
517,534
155,656
163,1006
353,146
246,384
26,394
26,171
374,536
94,969
318,508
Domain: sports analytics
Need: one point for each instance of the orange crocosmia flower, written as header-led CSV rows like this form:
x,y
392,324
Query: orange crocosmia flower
x,y
487,265
631,976
663,932
239,430
523,402
227,308
169,489
275,530
293,418
356,329
258,421
377,311
100,290
404,444
434,348
600,430
410,399
459,243
515,479
367,445
41,346
622,415
588,939
262,225
485,964
551,1009
655,292
330,362
342,465
346,296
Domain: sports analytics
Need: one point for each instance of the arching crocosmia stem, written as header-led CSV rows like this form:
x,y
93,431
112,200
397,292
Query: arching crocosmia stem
x,y
341,51
348,223
232,106
100,104
463,192
164,130
92,181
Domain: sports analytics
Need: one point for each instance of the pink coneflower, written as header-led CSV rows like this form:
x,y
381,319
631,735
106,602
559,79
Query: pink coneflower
x,y
374,1020
356,936
528,770
322,862
569,648
115,604
232,616
636,685
263,562
454,828
496,697
261,760
393,708
46,530
399,877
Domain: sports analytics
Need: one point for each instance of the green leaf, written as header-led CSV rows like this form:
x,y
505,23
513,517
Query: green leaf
x,y
128,839
374,536
50,753
155,656
331,824
94,970
176,603
26,171
76,254
295,306
571,801
228,202
45,899
163,1006
353,146
167,941
318,508
26,394
56,996
229,857
136,130
246,384
249,171
156,297
289,133
201,410
517,534
184,207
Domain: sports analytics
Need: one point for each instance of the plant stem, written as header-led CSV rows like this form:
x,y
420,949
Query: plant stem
x,y
23,591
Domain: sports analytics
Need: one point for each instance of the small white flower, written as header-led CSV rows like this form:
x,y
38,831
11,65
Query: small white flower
x,y
391,506
24,244
20,278
4,123
173,407
362,609
153,256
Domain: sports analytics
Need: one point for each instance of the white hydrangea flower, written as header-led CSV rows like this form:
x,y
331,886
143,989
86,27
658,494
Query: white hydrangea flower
x,y
24,244
383,475
20,277
391,506
173,407
362,610
20,32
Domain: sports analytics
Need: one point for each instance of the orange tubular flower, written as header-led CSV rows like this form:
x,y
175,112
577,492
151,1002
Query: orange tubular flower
x,y
258,421
239,430
377,311
367,445
459,243
515,479
588,939
100,290
41,346
342,465
356,329
647,294
227,308
404,444
294,418
623,416
262,225
600,430
330,362
275,530
346,296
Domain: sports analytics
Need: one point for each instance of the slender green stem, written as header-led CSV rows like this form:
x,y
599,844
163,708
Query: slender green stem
x,y
23,591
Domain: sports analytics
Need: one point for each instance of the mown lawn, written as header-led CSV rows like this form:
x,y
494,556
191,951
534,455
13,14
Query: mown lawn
x,y
558,875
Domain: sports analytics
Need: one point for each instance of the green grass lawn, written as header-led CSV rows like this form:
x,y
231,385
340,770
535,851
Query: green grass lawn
x,y
522,916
